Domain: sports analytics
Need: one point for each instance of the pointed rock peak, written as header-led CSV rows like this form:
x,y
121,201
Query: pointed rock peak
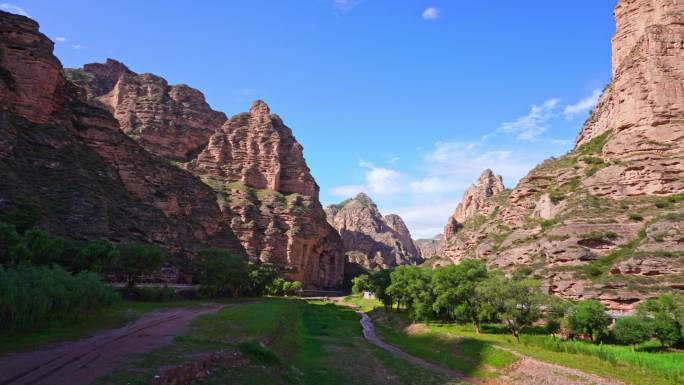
x,y
259,107
364,199
489,180
117,64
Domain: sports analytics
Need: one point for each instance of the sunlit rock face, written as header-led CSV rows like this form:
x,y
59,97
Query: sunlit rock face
x,y
371,240
68,164
103,152
604,220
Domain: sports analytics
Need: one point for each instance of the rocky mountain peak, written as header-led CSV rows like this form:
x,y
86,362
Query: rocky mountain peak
x,y
175,122
474,199
259,150
259,108
369,239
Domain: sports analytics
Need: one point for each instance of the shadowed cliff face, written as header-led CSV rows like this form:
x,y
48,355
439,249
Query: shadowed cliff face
x,y
252,162
69,162
604,221
370,240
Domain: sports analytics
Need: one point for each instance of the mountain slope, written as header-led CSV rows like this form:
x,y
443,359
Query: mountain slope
x,y
252,161
67,164
605,220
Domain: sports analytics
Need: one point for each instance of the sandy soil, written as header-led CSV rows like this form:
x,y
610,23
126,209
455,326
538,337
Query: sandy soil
x,y
81,362
528,371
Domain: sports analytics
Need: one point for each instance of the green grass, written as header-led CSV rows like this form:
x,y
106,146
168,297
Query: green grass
x,y
452,344
284,342
595,146
470,356
67,330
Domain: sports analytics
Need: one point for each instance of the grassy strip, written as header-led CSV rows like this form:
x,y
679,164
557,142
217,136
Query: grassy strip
x,y
68,330
285,342
611,361
470,356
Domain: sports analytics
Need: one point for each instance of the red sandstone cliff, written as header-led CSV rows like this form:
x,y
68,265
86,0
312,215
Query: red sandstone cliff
x,y
70,163
604,221
371,241
172,121
252,161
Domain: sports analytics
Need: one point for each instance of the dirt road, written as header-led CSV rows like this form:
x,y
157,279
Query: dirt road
x,y
372,337
81,362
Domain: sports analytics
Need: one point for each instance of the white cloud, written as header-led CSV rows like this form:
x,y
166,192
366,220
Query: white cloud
x,y
61,39
11,8
431,13
530,126
347,191
346,5
78,47
425,220
383,181
583,105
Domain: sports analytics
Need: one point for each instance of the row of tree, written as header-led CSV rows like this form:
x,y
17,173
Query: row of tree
x,y
468,293
219,272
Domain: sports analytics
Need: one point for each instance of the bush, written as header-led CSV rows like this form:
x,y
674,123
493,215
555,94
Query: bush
x,y
632,331
589,317
636,217
361,283
134,260
281,287
32,294
222,273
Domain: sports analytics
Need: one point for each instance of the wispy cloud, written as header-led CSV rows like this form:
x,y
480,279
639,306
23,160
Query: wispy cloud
x,y
11,8
61,39
431,13
583,105
78,47
379,181
535,123
346,5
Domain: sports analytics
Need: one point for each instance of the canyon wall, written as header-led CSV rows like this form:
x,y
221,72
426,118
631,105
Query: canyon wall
x,y
68,166
104,153
604,221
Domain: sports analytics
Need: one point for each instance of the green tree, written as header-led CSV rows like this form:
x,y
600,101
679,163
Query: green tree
x,y
38,247
516,303
260,276
133,260
96,256
8,241
222,272
380,281
667,318
411,287
455,291
361,283
589,317
556,310
632,331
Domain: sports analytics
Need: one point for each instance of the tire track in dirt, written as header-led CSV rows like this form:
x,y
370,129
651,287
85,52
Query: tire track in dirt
x,y
81,362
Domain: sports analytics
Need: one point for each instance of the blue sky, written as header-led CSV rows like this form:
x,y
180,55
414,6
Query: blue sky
x,y
406,100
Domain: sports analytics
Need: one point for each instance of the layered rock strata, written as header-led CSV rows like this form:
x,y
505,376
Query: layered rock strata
x,y
369,240
67,165
604,220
